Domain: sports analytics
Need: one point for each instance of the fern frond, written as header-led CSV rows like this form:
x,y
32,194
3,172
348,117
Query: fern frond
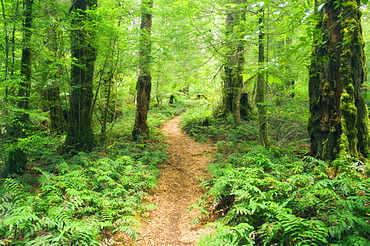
x,y
127,220
128,230
42,241
354,240
13,190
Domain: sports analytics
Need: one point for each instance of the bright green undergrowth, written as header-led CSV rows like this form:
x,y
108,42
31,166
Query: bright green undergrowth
x,y
77,202
286,126
278,196
87,198
266,198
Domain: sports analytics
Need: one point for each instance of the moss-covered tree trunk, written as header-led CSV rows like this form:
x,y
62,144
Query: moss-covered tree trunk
x,y
234,61
338,125
144,82
80,133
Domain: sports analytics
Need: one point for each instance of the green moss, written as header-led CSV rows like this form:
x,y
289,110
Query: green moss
x,y
344,145
325,85
350,89
347,106
346,53
349,140
325,18
350,5
360,40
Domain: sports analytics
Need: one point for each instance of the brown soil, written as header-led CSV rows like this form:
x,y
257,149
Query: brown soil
x,y
178,189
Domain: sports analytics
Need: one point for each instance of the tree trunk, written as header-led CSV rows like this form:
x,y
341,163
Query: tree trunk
x,y
108,110
54,106
25,85
261,84
338,125
234,62
7,43
51,76
144,82
17,158
106,88
80,133
10,26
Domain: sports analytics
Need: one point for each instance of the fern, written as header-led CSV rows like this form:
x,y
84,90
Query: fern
x,y
302,232
305,205
354,240
241,234
73,206
13,191
128,230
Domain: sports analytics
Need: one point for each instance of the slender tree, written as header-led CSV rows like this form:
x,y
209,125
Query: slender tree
x,y
52,73
80,133
6,41
17,158
338,125
10,15
261,83
234,60
144,82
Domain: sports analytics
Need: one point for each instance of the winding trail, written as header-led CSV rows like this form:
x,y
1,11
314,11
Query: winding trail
x,y
178,189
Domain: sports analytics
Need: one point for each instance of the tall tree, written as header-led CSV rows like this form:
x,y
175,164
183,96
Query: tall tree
x,y
51,68
17,158
261,83
234,60
10,13
144,82
80,133
338,125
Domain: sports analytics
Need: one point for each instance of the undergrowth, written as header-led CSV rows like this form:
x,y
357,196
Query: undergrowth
x,y
265,198
287,128
279,196
87,199
77,202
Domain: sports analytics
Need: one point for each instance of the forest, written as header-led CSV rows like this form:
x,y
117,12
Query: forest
x,y
279,88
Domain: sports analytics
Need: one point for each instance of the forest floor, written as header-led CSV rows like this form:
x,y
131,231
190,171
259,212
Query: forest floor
x,y
178,189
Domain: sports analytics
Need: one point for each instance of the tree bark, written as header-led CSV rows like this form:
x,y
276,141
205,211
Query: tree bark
x,y
338,125
80,133
234,62
144,82
54,106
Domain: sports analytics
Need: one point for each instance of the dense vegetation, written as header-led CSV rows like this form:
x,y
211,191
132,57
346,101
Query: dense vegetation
x,y
280,196
78,155
82,199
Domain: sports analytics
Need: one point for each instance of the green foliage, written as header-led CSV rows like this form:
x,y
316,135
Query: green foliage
x,y
76,202
287,201
37,146
202,124
287,128
229,235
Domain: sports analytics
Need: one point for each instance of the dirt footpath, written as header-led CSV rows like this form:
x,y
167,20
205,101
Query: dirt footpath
x,y
178,188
